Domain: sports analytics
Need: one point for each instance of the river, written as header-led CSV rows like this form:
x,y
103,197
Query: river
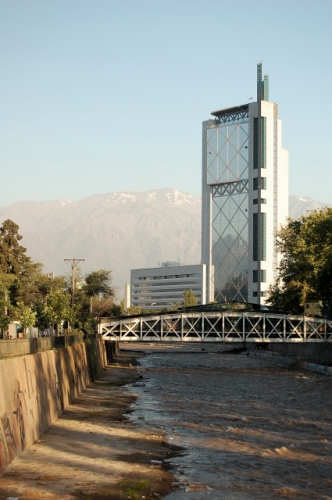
x,y
250,428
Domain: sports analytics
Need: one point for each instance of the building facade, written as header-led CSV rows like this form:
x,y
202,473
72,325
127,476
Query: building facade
x,y
159,287
244,198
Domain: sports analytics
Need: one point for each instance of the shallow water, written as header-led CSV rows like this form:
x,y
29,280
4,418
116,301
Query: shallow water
x,y
251,429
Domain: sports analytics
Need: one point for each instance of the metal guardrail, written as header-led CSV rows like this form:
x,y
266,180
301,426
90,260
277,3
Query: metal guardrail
x,y
228,326
19,347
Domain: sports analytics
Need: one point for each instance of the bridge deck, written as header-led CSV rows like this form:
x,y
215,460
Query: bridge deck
x,y
227,326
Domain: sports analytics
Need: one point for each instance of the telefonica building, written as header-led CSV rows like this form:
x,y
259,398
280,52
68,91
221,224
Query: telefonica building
x,y
244,198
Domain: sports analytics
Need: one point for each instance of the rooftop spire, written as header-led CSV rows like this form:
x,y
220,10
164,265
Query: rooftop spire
x,y
262,85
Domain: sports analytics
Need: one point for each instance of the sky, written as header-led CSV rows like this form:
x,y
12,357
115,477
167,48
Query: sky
x,y
101,96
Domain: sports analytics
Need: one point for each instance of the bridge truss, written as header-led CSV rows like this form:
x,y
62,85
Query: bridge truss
x,y
227,326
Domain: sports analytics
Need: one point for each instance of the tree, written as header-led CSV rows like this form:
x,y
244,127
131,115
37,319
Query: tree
x,y
103,307
6,281
284,298
189,298
305,271
19,276
25,286
25,315
4,318
46,284
12,260
132,311
12,254
57,308
98,285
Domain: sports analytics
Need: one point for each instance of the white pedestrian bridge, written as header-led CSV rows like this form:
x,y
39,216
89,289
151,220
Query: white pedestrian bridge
x,y
217,326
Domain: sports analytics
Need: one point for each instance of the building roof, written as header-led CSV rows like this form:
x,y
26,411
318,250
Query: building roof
x,y
230,111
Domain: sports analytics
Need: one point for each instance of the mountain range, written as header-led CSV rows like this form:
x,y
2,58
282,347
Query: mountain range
x,y
118,231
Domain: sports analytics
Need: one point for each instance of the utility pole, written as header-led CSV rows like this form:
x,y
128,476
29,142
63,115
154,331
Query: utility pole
x,y
74,268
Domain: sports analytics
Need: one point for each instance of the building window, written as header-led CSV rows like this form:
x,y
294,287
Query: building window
x,y
254,294
255,276
259,237
263,147
263,143
263,294
256,184
255,143
263,201
263,236
255,237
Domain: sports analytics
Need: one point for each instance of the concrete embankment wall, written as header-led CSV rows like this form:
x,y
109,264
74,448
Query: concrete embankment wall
x,y
315,352
35,389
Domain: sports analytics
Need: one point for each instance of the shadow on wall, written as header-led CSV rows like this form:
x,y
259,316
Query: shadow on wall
x,y
34,390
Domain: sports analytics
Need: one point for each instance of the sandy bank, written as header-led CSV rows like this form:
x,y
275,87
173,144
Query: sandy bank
x,y
93,452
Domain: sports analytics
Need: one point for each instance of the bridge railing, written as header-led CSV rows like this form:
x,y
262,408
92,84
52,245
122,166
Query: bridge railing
x,y
219,327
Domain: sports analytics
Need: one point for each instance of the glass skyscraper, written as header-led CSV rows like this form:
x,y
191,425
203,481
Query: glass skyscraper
x,y
244,198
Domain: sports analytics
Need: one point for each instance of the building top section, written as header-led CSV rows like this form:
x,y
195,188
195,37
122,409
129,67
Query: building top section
x,y
241,111
232,114
171,263
166,269
228,111
262,85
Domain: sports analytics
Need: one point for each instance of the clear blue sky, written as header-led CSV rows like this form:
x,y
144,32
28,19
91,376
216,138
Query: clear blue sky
x,y
101,96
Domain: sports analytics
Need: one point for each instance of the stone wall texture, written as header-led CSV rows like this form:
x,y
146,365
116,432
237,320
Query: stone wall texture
x,y
35,389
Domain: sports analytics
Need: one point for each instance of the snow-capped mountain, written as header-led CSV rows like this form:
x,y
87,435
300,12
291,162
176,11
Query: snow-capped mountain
x,y
117,231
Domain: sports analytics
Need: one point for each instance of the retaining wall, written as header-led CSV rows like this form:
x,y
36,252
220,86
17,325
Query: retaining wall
x,y
35,389
315,352
112,349
16,347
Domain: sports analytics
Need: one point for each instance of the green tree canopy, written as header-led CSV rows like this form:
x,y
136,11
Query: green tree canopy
x,y
189,298
57,308
12,254
99,283
26,293
25,287
93,298
305,271
25,315
17,273
4,318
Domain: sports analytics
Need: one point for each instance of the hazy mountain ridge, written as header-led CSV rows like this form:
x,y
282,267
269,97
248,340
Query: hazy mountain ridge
x,y
299,205
117,231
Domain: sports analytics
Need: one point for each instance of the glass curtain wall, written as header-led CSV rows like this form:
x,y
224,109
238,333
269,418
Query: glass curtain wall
x,y
227,174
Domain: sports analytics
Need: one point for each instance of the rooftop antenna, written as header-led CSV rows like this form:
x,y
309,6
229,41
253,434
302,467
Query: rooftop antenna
x,y
262,85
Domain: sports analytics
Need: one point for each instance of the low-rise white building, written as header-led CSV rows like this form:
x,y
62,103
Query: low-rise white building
x,y
158,287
